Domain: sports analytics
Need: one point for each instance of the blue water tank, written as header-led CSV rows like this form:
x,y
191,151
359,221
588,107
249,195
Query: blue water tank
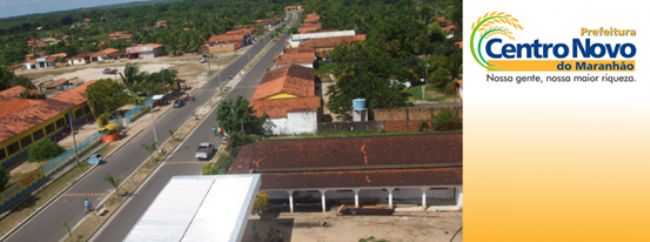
x,y
359,104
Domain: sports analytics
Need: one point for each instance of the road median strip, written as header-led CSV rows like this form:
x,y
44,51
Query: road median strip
x,y
91,223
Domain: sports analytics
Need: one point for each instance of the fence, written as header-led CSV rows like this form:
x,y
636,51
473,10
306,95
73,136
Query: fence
x,y
138,110
16,194
350,126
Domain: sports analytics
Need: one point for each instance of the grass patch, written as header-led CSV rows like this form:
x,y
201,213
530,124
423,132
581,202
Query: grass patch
x,y
430,94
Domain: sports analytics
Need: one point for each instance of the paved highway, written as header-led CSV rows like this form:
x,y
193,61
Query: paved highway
x,y
177,164
48,225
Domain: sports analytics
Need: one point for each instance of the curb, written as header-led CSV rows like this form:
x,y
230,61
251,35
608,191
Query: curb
x,y
38,210
112,216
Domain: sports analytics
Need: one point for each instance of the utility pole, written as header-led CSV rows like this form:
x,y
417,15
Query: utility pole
x,y
74,139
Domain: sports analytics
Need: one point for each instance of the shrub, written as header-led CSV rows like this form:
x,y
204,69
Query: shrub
x,y
43,150
447,120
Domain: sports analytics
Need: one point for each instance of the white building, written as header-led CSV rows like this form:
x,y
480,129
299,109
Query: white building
x,y
199,208
296,39
146,51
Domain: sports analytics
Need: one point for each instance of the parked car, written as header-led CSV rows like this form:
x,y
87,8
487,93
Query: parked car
x,y
110,71
205,151
95,159
178,103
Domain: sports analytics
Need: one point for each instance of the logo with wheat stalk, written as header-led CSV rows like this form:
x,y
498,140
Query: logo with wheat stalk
x,y
488,25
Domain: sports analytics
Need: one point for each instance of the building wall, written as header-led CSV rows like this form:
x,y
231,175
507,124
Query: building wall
x,y
222,48
302,122
294,123
277,126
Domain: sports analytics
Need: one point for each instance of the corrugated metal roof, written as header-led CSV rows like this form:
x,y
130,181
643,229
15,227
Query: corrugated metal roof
x,y
199,208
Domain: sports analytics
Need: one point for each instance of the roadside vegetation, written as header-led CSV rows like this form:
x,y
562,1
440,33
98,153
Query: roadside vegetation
x,y
405,47
44,149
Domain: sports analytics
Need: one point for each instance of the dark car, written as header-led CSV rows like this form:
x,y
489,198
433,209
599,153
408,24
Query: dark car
x,y
179,103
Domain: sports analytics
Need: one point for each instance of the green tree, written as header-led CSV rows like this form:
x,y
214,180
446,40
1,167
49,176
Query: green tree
x,y
9,79
237,116
4,178
364,71
105,96
114,182
44,149
132,78
372,239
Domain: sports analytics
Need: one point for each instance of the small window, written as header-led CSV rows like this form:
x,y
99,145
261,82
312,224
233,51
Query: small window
x,y
3,155
26,141
13,148
38,134
50,129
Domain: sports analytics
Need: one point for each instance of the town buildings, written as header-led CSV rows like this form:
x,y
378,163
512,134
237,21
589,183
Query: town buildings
x,y
229,41
144,51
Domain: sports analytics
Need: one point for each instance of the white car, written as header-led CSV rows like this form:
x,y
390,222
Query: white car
x,y
205,151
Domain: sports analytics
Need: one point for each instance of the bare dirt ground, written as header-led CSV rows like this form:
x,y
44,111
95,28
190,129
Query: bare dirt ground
x,y
188,66
402,227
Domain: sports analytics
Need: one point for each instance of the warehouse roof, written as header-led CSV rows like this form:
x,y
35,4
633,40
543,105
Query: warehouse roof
x,y
199,208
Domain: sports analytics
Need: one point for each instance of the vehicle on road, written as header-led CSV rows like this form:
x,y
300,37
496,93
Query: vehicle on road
x,y
110,71
95,159
179,103
205,151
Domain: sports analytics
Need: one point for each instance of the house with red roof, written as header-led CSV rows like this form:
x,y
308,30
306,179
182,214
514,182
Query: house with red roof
x,y
229,41
287,96
144,51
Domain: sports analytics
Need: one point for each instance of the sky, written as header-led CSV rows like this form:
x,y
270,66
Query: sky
x,y
10,8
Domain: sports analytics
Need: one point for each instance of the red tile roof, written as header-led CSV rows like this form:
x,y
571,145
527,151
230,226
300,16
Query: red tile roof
x,y
106,52
309,28
19,115
280,108
294,79
298,49
442,150
296,58
333,41
312,18
354,162
12,92
74,96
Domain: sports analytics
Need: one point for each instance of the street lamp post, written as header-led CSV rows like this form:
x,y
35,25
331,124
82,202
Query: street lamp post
x,y
74,139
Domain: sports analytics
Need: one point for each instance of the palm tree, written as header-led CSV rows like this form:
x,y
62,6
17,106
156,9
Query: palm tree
x,y
132,79
114,182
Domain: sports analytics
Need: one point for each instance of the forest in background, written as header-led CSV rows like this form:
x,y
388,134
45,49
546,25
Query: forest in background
x,y
189,23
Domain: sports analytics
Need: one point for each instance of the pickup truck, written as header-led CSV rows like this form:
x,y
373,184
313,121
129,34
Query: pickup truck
x,y
205,151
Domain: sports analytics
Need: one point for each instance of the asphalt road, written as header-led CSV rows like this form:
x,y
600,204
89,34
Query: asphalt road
x,y
67,210
182,161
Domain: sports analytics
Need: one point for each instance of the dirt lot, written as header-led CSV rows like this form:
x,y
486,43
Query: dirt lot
x,y
402,227
188,66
